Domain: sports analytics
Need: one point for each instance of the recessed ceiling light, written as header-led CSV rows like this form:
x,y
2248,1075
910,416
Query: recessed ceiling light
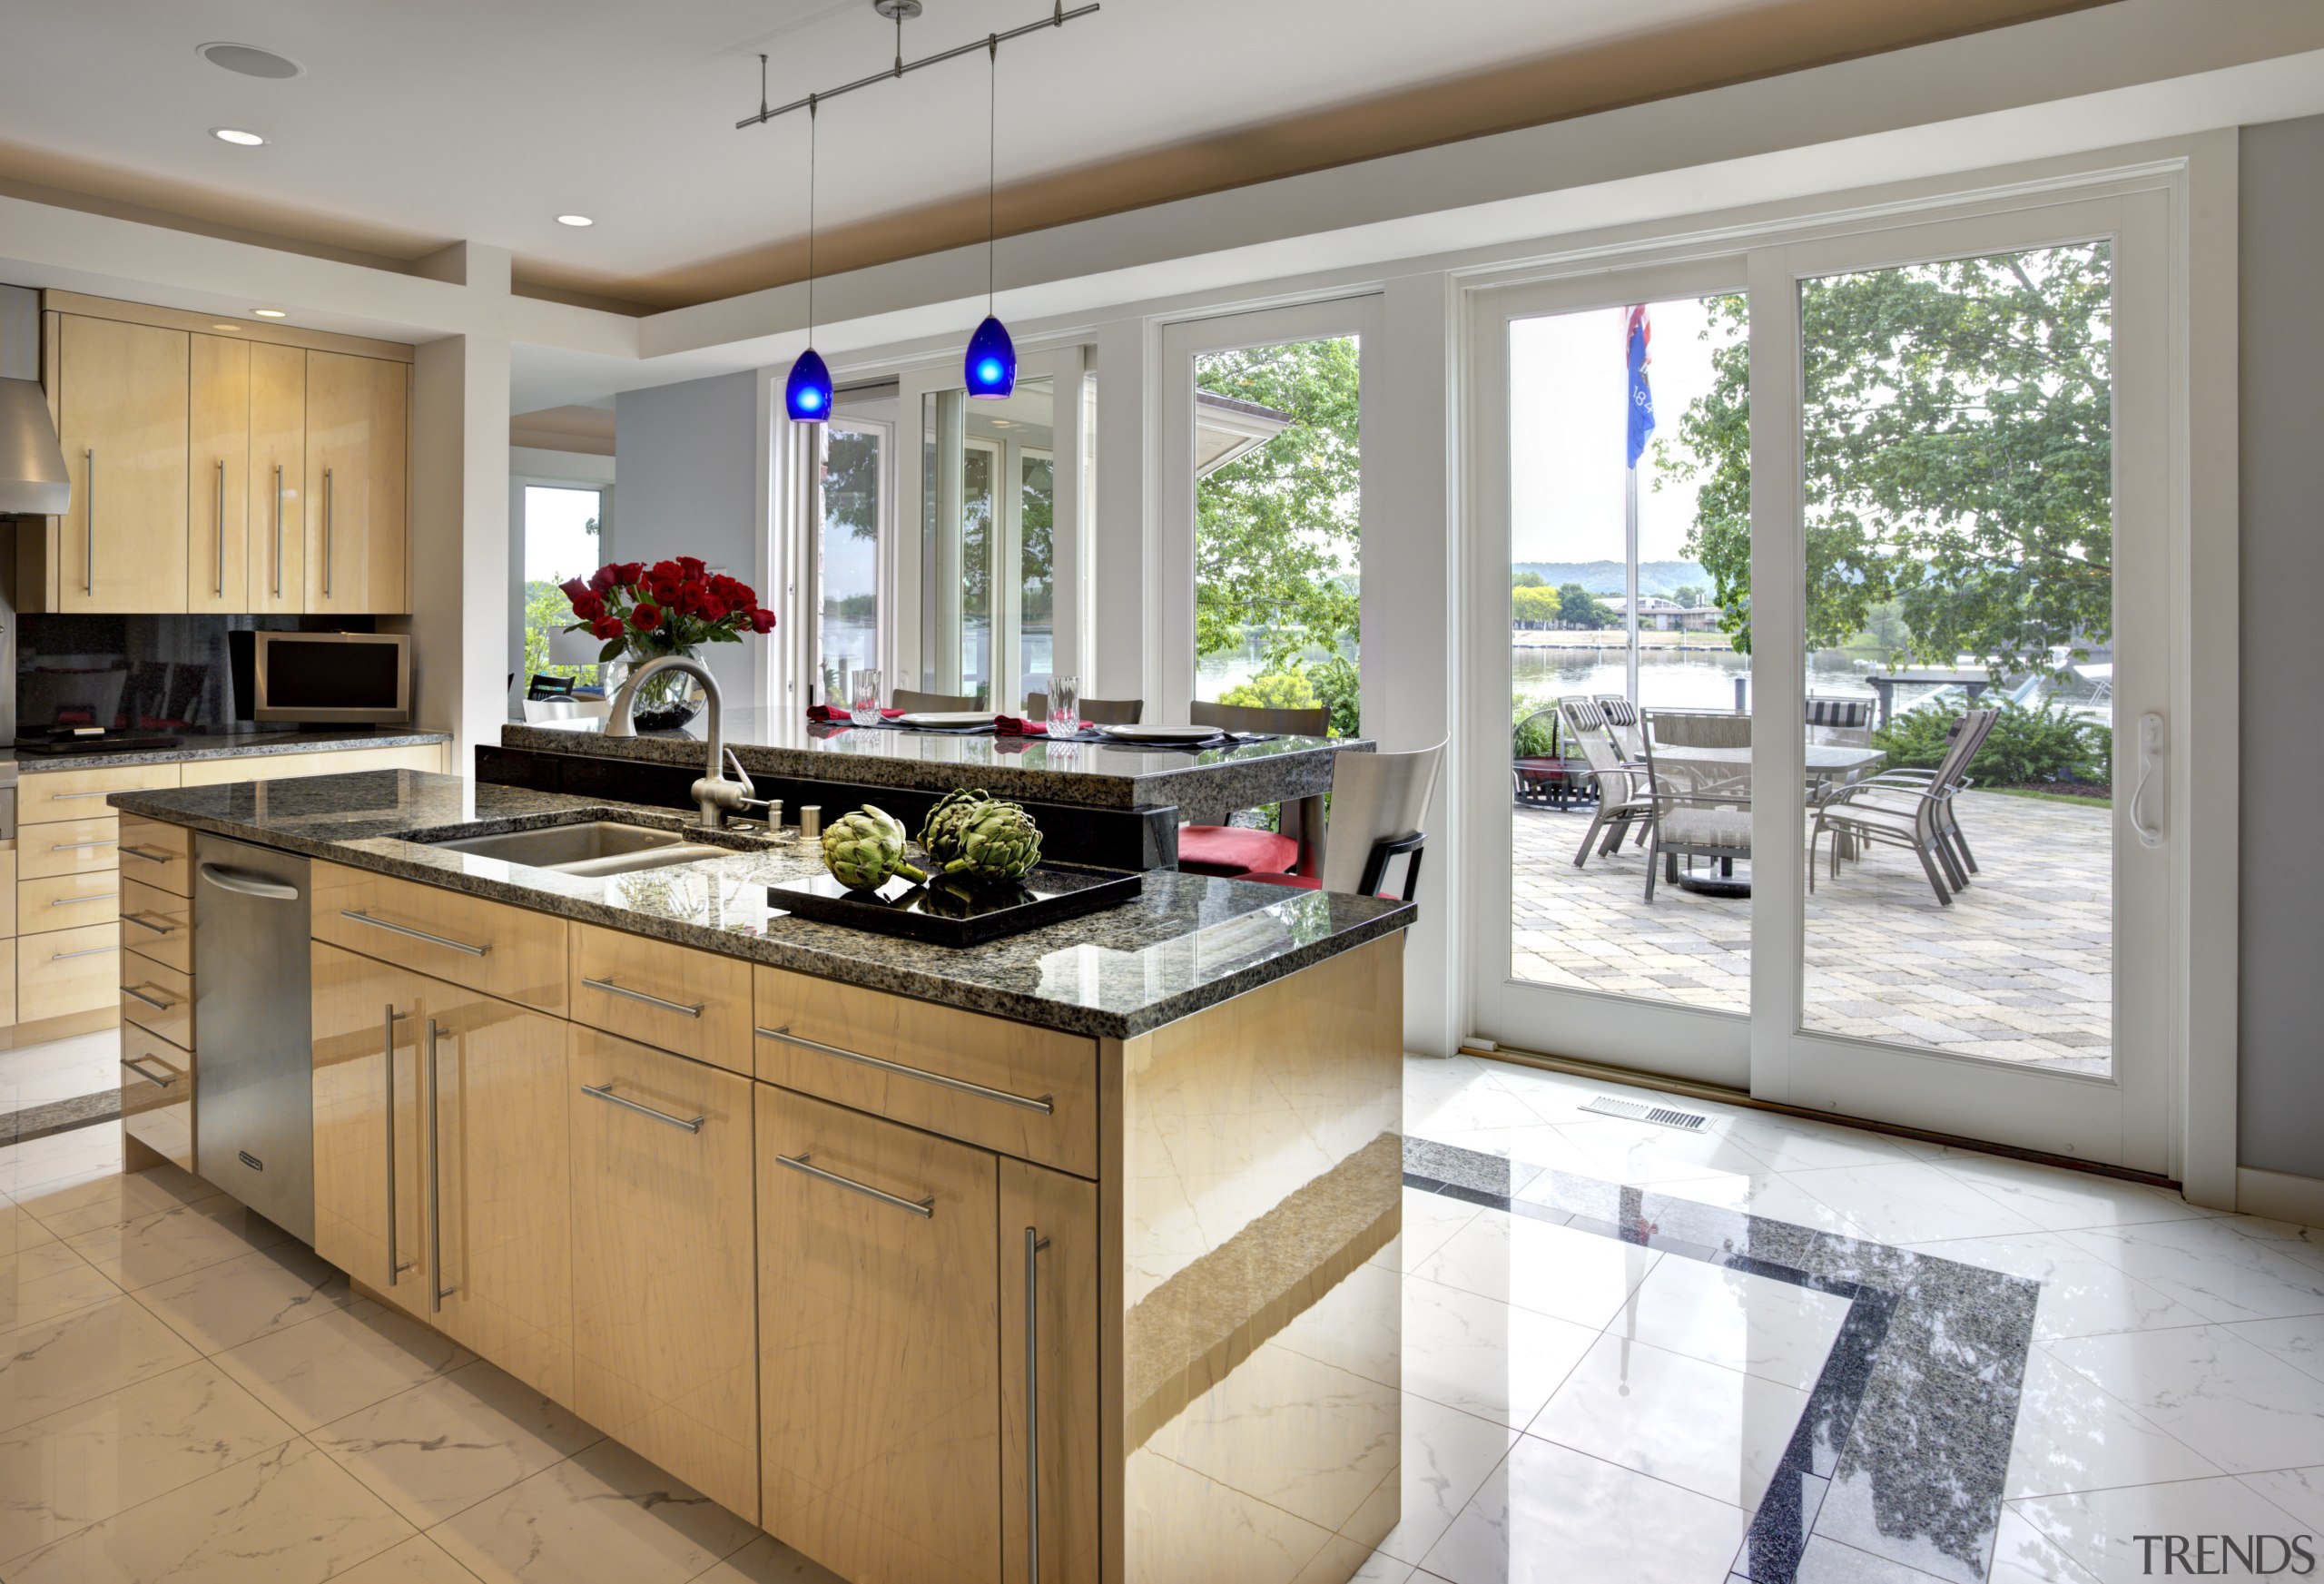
x,y
575,220
249,61
271,312
225,326
237,136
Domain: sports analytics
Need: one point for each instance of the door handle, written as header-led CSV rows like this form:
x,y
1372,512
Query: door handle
x,y
923,1208
395,1267
1045,1103
604,1092
326,533
277,530
134,1064
1034,1244
437,1290
220,565
684,1008
89,524
155,1002
248,885
2151,749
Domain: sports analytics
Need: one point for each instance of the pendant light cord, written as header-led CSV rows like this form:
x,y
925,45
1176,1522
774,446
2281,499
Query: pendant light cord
x,y
811,220
991,165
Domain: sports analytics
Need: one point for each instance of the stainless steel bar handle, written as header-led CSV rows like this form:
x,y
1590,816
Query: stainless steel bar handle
x,y
132,1063
362,917
437,1290
387,1050
685,1008
79,846
82,901
155,1002
923,1208
93,951
326,533
75,797
89,524
277,530
220,566
140,852
1034,1244
1045,1103
248,885
604,1092
143,922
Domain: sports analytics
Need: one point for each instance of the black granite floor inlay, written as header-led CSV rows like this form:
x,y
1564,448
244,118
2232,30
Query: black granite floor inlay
x,y
59,1116
1906,1433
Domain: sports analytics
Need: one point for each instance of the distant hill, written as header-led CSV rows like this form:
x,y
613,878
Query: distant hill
x,y
1657,577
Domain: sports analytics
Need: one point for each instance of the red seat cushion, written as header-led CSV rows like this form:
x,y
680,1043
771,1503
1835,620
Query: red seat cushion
x,y
1229,850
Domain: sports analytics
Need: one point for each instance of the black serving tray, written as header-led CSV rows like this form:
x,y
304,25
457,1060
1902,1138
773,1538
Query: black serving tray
x,y
955,914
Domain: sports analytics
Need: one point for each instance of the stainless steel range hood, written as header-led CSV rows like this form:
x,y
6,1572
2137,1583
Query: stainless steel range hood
x,y
33,481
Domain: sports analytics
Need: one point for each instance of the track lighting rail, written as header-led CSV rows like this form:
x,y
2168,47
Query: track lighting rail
x,y
1058,17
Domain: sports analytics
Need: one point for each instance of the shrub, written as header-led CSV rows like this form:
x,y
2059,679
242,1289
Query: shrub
x,y
1534,739
2045,742
1274,690
1333,684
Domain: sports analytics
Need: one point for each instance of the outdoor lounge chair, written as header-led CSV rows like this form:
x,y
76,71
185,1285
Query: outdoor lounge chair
x,y
1621,800
1694,811
1622,720
1910,809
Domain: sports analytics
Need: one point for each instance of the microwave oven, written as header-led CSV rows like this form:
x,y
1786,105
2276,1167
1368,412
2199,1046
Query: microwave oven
x,y
322,678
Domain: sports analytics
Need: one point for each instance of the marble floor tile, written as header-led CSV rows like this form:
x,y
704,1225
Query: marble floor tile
x,y
20,1229
1778,1331
1830,1562
1551,1515
1555,1270
1771,1194
2057,1200
170,1243
2230,1400
1535,1144
1641,1154
1447,1457
1255,1432
288,1514
337,1363
1792,1144
2097,1529
2022,1556
605,1516
2072,1435
767,1560
2299,1491
1186,1526
1909,1201
115,1200
2081,1294
86,1462
418,1561
1430,1222
44,1280
55,1363
1717,1432
2212,1269
1484,1356
60,1160
447,1443
242,1299
2298,1342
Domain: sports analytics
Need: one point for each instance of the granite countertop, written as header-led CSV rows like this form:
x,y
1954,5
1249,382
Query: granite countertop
x,y
1188,942
1095,774
231,745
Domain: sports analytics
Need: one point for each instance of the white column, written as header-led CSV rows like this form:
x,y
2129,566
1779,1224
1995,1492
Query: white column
x,y
459,544
1126,659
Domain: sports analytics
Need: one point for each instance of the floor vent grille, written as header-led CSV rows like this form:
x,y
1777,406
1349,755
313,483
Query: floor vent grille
x,y
1662,1116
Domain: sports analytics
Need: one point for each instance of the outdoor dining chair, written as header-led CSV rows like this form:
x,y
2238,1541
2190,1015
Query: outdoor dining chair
x,y
1622,720
1910,808
1694,809
1622,800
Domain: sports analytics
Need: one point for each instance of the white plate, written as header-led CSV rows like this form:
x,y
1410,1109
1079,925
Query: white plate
x,y
946,718
1161,734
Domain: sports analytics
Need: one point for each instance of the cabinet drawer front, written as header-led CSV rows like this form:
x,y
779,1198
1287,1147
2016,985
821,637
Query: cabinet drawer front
x,y
879,1373
157,923
157,1082
64,901
157,853
7,889
67,847
67,971
350,761
695,1003
665,1338
157,998
1023,1091
246,767
50,795
504,952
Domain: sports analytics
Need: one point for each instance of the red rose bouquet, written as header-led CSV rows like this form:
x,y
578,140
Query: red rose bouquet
x,y
671,607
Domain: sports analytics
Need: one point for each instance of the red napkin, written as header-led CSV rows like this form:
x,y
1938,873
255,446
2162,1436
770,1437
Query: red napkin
x,y
1010,726
841,717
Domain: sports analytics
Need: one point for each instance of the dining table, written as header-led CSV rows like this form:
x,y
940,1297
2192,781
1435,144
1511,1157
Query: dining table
x,y
1828,764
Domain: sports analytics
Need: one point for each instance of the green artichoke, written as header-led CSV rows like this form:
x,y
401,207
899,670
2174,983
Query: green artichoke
x,y
941,831
992,841
863,848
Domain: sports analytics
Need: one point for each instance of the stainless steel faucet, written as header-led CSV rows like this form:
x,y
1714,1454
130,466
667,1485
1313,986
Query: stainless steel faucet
x,y
715,794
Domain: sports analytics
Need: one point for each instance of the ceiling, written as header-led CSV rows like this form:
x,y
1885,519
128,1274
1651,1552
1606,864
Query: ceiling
x,y
428,122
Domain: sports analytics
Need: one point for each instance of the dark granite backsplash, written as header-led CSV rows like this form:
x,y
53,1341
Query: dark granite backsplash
x,y
142,672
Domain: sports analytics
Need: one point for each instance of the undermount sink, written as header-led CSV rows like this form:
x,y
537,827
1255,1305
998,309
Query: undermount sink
x,y
593,847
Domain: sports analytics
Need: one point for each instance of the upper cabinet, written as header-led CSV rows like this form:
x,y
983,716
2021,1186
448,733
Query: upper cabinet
x,y
122,419
264,471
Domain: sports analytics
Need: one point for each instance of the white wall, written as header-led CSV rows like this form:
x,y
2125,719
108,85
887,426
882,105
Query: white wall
x,y
690,459
460,539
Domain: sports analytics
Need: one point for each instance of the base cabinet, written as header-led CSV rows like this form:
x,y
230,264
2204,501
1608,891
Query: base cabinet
x,y
663,1318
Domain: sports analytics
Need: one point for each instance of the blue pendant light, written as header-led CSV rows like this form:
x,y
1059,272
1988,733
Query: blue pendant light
x,y
807,394
990,370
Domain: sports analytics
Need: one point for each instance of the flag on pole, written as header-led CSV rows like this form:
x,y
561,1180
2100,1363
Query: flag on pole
x,y
1642,396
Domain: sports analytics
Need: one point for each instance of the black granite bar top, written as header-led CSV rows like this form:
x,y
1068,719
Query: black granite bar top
x,y
232,745
1188,942
1205,782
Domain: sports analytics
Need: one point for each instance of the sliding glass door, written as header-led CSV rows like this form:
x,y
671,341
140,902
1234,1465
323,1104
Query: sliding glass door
x,y
1840,659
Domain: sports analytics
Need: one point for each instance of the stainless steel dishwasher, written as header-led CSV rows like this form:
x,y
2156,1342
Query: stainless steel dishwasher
x,y
253,1095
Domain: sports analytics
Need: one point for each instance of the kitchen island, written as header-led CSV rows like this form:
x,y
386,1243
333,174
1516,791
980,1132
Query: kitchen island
x,y
1070,1256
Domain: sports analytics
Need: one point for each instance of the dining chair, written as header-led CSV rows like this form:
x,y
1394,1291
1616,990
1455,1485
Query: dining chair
x,y
1097,711
1234,850
1693,810
1910,808
910,698
1622,720
1622,800
1379,804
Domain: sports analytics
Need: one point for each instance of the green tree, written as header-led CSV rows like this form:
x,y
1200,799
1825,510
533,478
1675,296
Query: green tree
x,y
1578,607
1528,580
1688,595
1277,530
1535,607
1958,457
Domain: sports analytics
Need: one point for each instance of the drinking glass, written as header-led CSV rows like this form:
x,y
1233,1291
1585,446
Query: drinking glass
x,y
863,698
1064,705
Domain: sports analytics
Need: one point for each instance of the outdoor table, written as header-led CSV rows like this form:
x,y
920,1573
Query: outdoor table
x,y
1825,762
